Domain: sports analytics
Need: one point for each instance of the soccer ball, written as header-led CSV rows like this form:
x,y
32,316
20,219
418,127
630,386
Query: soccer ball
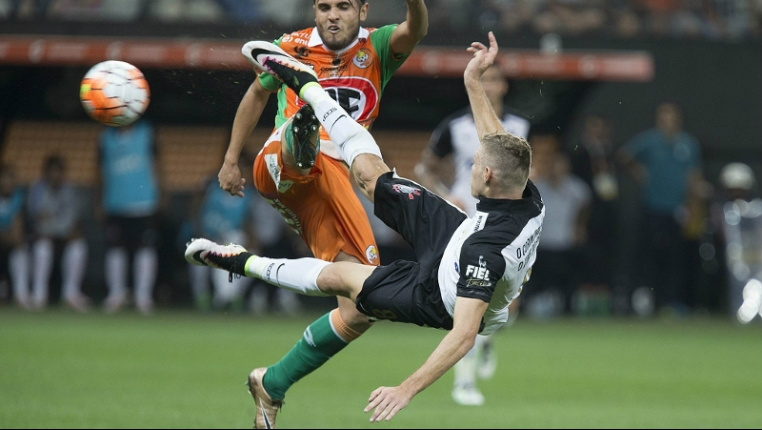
x,y
114,93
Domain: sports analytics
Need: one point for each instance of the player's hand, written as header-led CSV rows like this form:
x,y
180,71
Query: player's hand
x,y
483,57
387,401
230,179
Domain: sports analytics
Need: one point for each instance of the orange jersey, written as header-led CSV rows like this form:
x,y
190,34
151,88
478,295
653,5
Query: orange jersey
x,y
355,78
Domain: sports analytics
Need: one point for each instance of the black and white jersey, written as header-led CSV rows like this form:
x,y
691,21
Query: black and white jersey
x,y
490,255
457,136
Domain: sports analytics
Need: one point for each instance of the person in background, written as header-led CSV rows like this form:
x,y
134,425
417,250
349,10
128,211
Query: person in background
x,y
229,220
736,227
561,257
130,204
451,149
666,161
55,214
274,236
14,254
592,159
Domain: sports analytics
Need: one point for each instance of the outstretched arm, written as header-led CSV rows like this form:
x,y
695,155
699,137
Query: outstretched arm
x,y
387,401
485,117
246,118
409,33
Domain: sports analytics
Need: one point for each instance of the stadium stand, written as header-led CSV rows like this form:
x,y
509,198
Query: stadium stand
x,y
189,154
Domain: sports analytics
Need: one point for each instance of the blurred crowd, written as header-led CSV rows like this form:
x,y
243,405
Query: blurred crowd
x,y
709,19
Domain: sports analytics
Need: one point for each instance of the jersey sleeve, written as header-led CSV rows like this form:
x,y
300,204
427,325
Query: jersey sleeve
x,y
480,269
380,39
440,143
268,81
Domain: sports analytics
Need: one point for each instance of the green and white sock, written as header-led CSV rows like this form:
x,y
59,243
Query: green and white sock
x,y
318,344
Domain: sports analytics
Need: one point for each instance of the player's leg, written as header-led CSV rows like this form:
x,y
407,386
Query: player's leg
x,y
116,260
73,265
42,255
144,231
18,269
307,276
334,229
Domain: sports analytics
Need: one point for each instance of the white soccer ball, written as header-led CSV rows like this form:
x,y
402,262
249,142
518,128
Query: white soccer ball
x,y
114,93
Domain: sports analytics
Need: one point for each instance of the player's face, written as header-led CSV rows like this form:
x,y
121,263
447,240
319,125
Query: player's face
x,y
338,21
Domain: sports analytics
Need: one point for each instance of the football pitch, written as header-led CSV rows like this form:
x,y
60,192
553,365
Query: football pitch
x,y
186,370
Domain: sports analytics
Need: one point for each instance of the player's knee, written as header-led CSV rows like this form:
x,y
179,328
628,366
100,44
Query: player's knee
x,y
355,320
367,169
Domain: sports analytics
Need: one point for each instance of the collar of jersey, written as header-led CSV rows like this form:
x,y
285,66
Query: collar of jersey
x,y
316,40
486,204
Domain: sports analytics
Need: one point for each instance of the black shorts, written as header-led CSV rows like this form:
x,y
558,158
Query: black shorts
x,y
132,232
407,291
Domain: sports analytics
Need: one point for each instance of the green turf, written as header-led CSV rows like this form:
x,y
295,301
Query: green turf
x,y
176,369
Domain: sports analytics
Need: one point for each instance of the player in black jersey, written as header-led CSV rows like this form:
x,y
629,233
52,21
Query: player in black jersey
x,y
468,269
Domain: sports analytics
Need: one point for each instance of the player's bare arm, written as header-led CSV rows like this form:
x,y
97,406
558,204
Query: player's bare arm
x,y
485,117
409,33
385,402
246,118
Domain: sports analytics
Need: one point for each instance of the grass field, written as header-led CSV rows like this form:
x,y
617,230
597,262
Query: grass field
x,y
184,370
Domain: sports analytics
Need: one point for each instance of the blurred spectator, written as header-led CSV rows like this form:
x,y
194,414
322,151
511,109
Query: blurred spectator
x,y
14,256
728,19
667,162
105,10
736,215
592,160
569,17
224,219
185,10
561,258
55,217
130,203
712,19
274,237
30,9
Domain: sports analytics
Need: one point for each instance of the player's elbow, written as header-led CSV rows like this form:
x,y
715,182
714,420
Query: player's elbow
x,y
466,338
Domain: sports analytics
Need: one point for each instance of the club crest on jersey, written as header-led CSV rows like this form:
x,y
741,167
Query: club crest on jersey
x,y
371,253
362,59
411,192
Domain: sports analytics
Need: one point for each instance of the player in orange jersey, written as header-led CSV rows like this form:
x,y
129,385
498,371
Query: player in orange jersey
x,y
300,173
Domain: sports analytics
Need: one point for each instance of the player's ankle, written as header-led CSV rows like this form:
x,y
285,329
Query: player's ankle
x,y
255,266
312,93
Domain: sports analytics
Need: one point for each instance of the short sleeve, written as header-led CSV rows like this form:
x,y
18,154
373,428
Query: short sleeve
x,y
480,270
380,39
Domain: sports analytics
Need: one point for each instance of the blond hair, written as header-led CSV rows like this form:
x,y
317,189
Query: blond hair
x,y
510,157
